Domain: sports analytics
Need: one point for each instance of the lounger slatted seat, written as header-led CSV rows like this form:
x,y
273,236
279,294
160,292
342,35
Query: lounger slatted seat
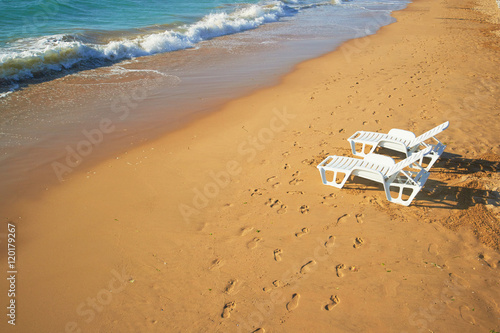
x,y
400,140
407,176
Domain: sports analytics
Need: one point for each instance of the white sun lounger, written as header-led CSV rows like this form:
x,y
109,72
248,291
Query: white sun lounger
x,y
399,140
407,176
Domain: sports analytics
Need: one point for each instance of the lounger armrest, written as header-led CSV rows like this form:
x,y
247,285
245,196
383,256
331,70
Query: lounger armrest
x,y
325,162
429,134
352,137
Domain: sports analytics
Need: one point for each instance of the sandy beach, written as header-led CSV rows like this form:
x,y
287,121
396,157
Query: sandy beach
x,y
224,225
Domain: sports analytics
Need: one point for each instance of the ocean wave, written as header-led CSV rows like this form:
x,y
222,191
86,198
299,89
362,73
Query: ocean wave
x,y
28,58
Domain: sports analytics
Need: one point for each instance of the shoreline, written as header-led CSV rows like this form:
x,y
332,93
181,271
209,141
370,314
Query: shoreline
x,y
193,251
52,129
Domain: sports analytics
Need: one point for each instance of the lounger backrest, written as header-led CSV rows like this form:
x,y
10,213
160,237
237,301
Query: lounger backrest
x,y
429,134
408,161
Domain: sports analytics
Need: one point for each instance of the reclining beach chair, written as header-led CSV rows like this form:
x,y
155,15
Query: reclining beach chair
x,y
400,140
407,176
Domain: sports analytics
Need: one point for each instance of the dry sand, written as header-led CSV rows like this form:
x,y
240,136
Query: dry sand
x,y
110,251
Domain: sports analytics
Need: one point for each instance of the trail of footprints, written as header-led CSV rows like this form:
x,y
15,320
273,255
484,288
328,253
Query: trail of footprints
x,y
277,204
306,268
281,208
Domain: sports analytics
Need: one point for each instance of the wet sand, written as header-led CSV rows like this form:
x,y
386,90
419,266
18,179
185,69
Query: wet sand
x,y
224,225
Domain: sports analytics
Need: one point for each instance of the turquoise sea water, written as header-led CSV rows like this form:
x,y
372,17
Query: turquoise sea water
x,y
110,41
42,36
36,18
64,64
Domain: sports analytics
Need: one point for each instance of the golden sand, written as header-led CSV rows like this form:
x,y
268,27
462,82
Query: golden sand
x,y
224,225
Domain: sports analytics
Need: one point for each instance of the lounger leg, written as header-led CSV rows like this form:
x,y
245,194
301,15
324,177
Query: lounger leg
x,y
435,154
363,147
371,150
399,199
412,181
353,147
433,158
334,183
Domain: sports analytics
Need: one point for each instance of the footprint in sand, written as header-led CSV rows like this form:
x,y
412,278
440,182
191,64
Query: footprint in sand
x,y
246,230
282,209
303,232
433,249
307,267
273,202
230,286
276,185
277,203
328,200
295,181
358,242
286,166
256,191
217,263
228,308
343,218
339,268
277,254
254,243
390,288
294,303
304,209
270,179
278,283
259,330
360,218
459,281
295,192
330,242
487,260
335,300
295,174
466,315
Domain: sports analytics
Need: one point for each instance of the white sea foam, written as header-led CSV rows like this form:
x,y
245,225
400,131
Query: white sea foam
x,y
4,94
38,55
